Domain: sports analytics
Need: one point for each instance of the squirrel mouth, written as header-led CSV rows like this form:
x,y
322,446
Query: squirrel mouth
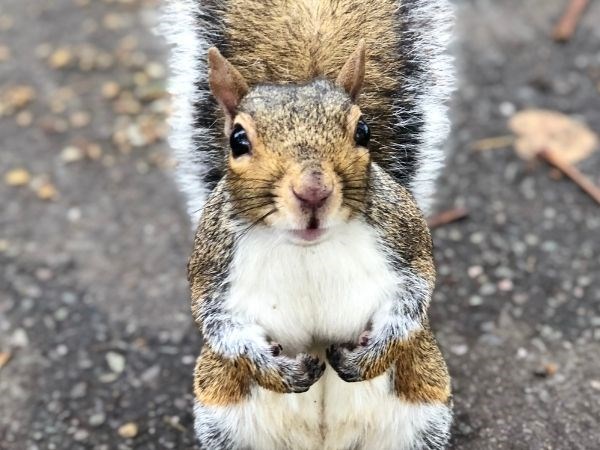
x,y
313,224
311,233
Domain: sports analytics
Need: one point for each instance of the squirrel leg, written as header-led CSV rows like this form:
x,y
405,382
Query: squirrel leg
x,y
377,349
420,378
218,384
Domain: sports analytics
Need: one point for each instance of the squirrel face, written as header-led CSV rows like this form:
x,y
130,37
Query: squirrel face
x,y
298,159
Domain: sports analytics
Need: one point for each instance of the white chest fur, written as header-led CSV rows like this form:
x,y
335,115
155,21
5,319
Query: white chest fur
x,y
307,297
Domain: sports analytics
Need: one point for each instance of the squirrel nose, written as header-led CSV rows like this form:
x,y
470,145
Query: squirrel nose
x,y
312,192
313,197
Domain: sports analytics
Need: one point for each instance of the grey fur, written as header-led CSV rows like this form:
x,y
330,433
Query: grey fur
x,y
191,26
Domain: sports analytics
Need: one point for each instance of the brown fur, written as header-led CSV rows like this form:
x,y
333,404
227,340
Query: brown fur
x,y
219,381
421,375
278,41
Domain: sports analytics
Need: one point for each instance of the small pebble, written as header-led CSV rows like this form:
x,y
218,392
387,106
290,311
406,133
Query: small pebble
x,y
81,435
116,362
71,154
97,419
128,430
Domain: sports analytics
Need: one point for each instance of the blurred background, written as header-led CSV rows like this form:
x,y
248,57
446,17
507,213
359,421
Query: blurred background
x,y
96,340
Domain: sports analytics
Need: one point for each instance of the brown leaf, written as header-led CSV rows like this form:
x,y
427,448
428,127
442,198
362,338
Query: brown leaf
x,y
18,97
566,138
60,58
4,358
5,53
17,177
47,191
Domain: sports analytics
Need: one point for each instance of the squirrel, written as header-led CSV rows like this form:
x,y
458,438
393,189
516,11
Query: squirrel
x,y
308,135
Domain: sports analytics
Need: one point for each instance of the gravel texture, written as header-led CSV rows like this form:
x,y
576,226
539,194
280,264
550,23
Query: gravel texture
x,y
96,340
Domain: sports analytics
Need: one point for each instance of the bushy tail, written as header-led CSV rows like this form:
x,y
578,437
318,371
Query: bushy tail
x,y
191,27
427,83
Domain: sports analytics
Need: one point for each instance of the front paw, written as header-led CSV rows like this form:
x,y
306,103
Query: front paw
x,y
346,359
289,375
363,361
302,372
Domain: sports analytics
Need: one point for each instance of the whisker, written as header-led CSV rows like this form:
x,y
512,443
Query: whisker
x,y
354,161
354,188
256,222
262,205
351,180
254,197
237,177
357,209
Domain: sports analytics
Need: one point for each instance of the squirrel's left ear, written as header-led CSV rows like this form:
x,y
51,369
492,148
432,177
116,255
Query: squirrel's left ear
x,y
352,76
226,83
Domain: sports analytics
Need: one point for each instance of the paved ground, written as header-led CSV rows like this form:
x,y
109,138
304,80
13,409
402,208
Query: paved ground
x,y
93,298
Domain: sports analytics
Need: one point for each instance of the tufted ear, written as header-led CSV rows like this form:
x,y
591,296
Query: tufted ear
x,y
226,83
352,76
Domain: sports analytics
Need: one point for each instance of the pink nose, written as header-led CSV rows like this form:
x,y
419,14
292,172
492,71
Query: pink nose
x,y
312,196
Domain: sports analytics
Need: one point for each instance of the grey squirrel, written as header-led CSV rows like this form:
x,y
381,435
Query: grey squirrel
x,y
312,267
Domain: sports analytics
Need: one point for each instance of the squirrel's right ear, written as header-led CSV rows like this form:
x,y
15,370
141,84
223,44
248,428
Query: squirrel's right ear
x,y
226,83
352,75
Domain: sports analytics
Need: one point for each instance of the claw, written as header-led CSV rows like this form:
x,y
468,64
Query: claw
x,y
364,338
276,349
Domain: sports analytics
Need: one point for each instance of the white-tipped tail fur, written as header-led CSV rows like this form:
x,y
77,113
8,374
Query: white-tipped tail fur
x,y
430,31
188,68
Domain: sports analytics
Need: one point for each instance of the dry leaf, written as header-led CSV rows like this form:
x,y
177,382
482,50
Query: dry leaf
x,y
537,130
493,143
17,177
4,358
61,58
110,90
5,53
47,191
16,98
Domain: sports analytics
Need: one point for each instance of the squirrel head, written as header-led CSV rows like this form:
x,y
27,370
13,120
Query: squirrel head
x,y
298,157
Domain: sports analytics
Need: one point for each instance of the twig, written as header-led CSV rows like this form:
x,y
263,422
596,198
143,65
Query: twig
x,y
493,143
447,217
573,173
4,358
567,25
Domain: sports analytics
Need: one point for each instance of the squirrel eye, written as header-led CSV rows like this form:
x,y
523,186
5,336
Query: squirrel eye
x,y
362,135
239,142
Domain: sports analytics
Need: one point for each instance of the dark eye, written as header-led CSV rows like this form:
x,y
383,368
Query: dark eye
x,y
362,135
239,142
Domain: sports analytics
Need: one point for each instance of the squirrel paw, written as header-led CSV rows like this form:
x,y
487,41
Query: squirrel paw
x,y
345,360
301,373
364,360
290,375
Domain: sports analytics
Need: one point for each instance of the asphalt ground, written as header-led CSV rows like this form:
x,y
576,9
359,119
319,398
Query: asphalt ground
x,y
96,339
